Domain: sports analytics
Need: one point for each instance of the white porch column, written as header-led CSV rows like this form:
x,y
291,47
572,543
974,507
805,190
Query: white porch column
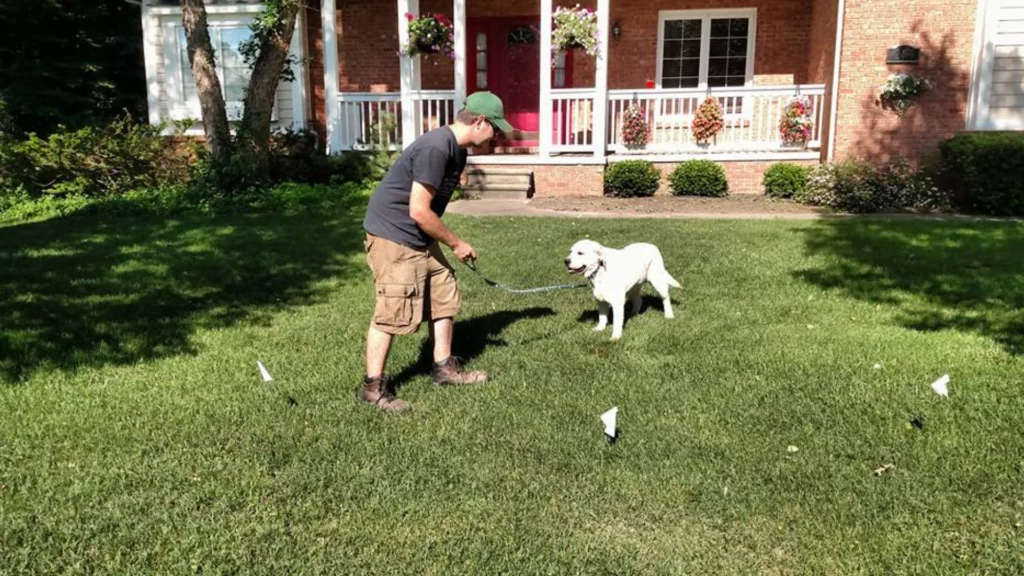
x,y
601,80
408,72
459,21
328,20
545,77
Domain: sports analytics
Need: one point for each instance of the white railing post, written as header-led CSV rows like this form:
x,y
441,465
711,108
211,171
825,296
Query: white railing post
x,y
600,118
408,72
328,19
459,21
545,77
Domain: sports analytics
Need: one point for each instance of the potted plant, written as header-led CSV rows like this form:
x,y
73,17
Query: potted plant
x,y
708,121
429,34
634,127
796,124
900,90
574,29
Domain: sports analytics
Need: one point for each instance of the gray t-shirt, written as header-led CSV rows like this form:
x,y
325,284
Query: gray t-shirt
x,y
434,159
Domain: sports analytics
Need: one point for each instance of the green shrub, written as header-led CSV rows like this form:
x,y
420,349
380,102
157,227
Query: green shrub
x,y
631,178
858,187
91,162
699,178
783,180
985,172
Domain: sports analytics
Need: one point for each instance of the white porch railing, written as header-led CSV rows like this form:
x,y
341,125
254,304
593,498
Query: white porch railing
x,y
370,119
751,117
572,119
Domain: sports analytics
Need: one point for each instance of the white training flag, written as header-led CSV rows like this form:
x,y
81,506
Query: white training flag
x,y
940,386
609,421
264,373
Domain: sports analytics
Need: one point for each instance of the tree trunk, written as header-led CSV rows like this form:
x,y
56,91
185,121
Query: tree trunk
x,y
263,83
211,98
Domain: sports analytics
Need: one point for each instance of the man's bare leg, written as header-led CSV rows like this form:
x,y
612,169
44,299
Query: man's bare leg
x,y
378,346
376,388
447,369
441,331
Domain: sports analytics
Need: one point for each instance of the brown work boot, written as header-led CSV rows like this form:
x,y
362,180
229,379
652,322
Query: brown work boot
x,y
380,393
449,372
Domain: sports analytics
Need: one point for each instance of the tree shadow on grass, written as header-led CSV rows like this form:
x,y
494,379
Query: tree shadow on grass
x,y
965,276
88,291
472,336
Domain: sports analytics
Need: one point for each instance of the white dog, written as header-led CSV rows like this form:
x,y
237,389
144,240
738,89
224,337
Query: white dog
x,y
618,274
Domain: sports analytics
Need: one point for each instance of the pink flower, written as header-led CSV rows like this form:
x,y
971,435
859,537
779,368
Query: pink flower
x,y
409,16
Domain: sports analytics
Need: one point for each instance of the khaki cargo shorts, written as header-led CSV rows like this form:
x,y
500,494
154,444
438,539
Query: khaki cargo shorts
x,y
411,285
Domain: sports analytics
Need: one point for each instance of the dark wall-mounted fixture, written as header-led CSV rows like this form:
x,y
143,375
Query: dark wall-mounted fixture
x,y
902,54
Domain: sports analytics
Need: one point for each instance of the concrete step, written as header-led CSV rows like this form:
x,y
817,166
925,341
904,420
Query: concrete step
x,y
496,194
510,183
489,179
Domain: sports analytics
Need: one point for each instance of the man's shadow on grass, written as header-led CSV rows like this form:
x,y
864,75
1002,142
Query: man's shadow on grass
x,y
471,338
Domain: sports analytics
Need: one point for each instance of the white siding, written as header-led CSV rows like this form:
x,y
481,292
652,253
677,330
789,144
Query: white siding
x,y
999,88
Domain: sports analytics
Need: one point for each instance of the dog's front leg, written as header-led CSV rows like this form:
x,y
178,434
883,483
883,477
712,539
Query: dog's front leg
x,y
618,315
602,316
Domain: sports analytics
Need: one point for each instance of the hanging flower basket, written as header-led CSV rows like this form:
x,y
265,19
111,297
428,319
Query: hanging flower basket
x,y
431,34
574,29
796,125
901,89
708,121
634,127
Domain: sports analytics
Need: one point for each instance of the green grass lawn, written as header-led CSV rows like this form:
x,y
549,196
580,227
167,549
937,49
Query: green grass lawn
x,y
136,436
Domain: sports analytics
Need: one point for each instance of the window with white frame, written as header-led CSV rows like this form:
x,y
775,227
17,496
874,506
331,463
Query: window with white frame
x,y
226,36
706,48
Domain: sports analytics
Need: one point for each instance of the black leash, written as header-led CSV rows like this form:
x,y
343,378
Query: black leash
x,y
472,266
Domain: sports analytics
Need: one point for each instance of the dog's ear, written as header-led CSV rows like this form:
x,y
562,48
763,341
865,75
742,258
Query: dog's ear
x,y
599,250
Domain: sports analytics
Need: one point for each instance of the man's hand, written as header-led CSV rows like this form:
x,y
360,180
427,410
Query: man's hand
x,y
463,251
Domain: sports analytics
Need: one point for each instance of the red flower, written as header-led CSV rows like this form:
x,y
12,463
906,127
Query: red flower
x,y
440,18
409,16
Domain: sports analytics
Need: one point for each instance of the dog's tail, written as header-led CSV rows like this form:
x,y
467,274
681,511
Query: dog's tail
x,y
671,281
664,273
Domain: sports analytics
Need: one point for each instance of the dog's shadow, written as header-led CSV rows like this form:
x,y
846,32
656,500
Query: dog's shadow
x,y
471,338
647,302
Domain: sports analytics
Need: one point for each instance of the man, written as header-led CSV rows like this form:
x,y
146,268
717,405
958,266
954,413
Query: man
x,y
413,281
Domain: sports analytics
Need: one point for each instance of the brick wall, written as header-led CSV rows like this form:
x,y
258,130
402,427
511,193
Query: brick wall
x,y
315,70
368,40
944,30
821,59
588,180
580,180
744,177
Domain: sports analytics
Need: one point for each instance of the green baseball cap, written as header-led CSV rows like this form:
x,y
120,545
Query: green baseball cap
x,y
489,106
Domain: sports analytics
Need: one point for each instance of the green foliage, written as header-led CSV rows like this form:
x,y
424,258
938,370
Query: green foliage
x,y
295,156
265,27
285,198
631,178
69,63
859,187
699,178
106,160
783,180
985,171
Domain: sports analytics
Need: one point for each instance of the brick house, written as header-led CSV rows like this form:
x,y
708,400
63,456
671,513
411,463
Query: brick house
x,y
666,56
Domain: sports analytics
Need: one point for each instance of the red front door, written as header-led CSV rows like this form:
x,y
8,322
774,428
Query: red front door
x,y
504,57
